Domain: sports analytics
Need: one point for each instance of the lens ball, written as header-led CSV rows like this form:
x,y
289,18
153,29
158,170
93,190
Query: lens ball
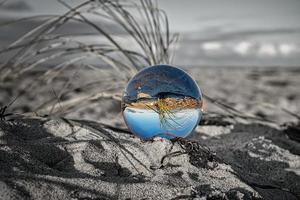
x,y
162,101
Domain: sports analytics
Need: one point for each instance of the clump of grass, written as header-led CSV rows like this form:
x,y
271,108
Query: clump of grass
x,y
163,111
166,116
143,23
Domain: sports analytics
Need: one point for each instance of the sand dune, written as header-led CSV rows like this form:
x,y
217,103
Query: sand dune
x,y
43,158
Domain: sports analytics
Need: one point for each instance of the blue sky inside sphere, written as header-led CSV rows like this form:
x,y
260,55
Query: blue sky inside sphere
x,y
146,124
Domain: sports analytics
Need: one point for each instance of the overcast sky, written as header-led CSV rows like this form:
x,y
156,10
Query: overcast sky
x,y
196,14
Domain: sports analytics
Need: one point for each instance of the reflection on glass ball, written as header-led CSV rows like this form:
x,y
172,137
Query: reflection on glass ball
x,y
162,101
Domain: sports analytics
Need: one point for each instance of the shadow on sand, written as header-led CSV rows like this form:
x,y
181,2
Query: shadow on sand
x,y
251,151
29,154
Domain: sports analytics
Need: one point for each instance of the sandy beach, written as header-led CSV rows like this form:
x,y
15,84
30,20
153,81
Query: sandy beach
x,y
96,157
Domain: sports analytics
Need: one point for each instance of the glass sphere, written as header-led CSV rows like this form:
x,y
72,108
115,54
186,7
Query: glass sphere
x,y
162,101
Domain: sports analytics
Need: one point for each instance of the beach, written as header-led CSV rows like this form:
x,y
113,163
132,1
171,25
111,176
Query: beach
x,y
90,154
79,122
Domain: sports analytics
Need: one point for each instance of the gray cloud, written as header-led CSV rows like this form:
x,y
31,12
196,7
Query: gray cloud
x,y
16,6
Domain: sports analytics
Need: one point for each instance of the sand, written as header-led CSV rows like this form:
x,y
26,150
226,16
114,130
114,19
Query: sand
x,y
225,158
44,158
259,91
